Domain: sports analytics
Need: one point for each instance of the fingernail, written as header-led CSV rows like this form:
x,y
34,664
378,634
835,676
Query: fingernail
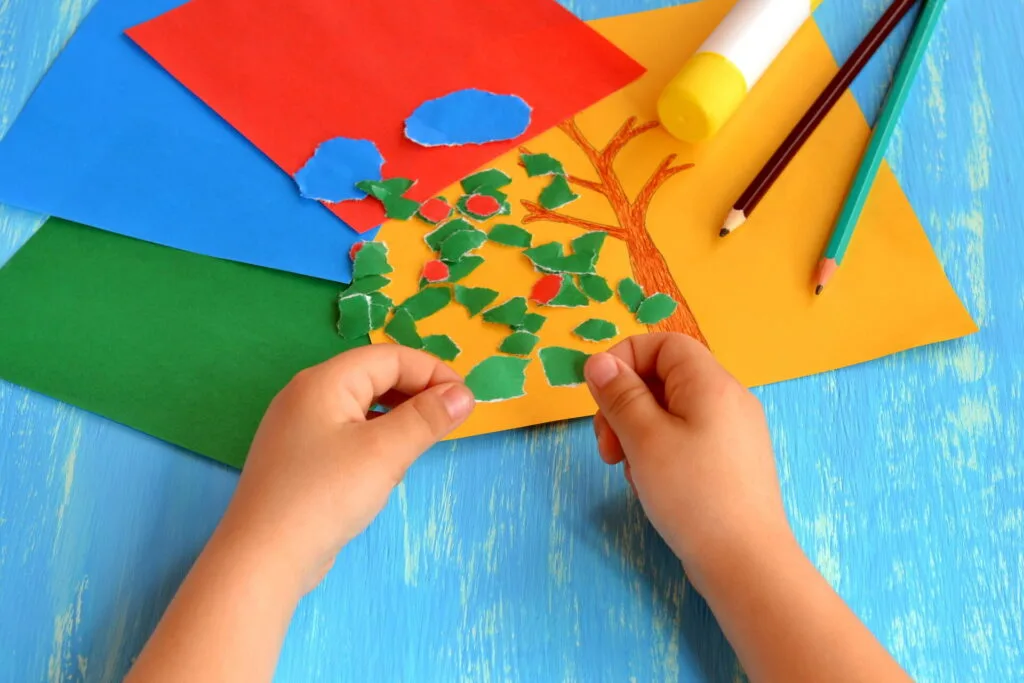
x,y
458,401
601,369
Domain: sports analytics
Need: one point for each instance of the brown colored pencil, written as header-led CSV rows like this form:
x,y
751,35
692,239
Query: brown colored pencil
x,y
753,195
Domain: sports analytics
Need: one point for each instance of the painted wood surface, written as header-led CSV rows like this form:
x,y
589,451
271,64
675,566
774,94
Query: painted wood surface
x,y
519,557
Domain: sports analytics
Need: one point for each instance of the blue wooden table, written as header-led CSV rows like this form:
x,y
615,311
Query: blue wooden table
x,y
518,557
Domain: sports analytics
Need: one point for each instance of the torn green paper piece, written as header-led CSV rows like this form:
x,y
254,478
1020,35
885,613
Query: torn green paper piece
x,y
656,308
389,193
596,287
442,346
631,294
427,302
557,194
371,260
437,237
498,378
510,313
532,322
569,296
463,241
510,235
541,164
370,283
463,267
354,316
563,367
381,299
402,329
589,243
596,330
491,178
475,299
519,343
551,258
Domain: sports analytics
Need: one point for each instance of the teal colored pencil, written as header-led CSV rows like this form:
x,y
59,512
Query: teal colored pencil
x,y
927,21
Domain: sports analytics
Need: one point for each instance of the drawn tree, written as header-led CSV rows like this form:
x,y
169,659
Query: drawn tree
x,y
650,269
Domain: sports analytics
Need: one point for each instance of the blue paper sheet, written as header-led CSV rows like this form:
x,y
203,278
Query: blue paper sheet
x,y
335,168
110,139
468,117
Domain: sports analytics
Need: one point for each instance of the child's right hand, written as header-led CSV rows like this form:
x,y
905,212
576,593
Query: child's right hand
x,y
696,449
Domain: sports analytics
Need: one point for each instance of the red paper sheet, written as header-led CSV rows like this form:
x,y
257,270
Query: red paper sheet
x,y
289,75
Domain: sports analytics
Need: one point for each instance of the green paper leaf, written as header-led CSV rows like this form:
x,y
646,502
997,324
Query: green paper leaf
x,y
510,235
463,267
389,193
563,367
442,346
596,287
532,322
491,178
372,259
437,237
354,316
475,299
551,258
378,315
456,246
656,308
370,283
589,243
596,330
557,194
541,164
381,299
631,294
569,296
402,329
519,343
510,313
498,378
427,302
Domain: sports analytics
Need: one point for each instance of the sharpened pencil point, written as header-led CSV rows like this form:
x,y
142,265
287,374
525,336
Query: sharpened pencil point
x,y
724,232
818,290
732,222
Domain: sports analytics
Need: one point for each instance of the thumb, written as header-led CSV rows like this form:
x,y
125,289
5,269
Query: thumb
x,y
625,400
421,421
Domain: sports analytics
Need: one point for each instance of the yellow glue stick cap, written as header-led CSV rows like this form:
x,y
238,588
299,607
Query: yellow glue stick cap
x,y
702,97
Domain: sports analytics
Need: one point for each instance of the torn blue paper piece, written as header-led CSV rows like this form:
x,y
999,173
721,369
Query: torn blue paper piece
x,y
336,166
468,117
111,140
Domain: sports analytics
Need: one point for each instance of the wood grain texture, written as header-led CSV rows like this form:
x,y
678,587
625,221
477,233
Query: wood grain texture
x,y
519,557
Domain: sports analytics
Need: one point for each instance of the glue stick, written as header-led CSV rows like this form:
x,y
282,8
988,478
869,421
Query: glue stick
x,y
716,80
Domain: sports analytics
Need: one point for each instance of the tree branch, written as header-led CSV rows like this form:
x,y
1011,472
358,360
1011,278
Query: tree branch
x,y
663,173
626,132
588,184
535,213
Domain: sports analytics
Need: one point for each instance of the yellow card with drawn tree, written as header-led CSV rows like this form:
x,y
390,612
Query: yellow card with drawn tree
x,y
660,204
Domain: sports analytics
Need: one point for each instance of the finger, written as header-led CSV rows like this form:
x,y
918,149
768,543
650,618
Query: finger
x,y
627,472
625,401
608,445
349,383
686,368
417,424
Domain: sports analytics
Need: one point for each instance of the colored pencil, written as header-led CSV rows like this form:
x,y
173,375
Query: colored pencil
x,y
817,112
902,83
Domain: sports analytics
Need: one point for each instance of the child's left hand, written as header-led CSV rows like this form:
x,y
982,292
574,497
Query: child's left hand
x,y
320,470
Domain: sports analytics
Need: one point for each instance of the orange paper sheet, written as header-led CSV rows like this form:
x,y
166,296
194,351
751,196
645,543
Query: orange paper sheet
x,y
750,295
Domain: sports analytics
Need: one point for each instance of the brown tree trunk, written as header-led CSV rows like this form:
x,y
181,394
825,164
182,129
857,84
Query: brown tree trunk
x,y
652,273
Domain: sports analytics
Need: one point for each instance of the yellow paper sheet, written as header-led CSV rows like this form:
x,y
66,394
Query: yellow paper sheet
x,y
751,294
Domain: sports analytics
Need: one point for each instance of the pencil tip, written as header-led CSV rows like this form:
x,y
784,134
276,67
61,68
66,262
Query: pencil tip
x,y
732,222
724,232
818,290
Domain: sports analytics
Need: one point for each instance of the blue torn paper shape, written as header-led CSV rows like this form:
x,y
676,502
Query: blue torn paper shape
x,y
338,164
468,117
110,139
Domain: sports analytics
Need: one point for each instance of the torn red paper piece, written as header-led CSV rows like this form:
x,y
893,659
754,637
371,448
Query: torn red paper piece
x,y
546,288
290,75
482,205
435,271
435,210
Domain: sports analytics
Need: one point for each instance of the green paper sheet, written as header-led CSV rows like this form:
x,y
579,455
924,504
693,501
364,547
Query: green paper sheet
x,y
187,348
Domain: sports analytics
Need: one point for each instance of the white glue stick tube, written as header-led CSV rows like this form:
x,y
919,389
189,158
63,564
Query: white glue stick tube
x,y
715,81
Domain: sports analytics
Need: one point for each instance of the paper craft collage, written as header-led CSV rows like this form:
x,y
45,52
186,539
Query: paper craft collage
x,y
232,206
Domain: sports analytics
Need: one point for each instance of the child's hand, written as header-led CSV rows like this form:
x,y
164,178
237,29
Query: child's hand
x,y
696,448
319,471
